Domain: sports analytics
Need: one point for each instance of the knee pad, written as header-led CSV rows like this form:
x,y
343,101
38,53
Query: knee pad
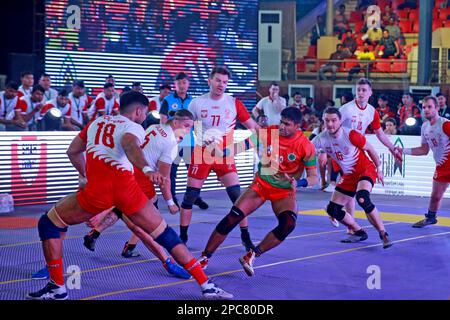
x,y
168,239
118,213
234,192
336,211
48,230
363,198
190,196
230,221
286,224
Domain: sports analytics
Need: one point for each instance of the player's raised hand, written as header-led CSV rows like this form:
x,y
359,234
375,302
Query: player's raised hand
x,y
156,178
397,152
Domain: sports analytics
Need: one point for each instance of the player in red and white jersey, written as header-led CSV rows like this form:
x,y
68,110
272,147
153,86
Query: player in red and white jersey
x,y
112,145
29,107
104,104
62,103
8,104
435,136
27,80
155,102
79,101
216,113
50,93
347,147
160,149
358,115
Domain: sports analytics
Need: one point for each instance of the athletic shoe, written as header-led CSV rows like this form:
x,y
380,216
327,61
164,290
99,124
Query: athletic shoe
x,y
330,188
358,236
212,292
175,269
51,291
203,260
201,204
425,222
386,242
89,241
129,251
247,242
247,263
41,274
334,222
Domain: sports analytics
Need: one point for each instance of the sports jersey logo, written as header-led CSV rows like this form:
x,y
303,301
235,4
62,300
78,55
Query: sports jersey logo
x,y
292,157
29,168
204,113
269,150
174,106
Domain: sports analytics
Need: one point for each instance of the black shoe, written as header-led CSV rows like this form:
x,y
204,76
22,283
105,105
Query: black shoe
x,y
384,236
247,242
358,236
129,251
201,204
425,222
89,242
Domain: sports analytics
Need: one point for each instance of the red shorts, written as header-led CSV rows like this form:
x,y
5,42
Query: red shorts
x,y
268,192
108,187
202,164
442,175
144,183
349,182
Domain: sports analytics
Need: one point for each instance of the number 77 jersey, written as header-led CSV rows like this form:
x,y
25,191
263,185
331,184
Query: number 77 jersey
x,y
103,141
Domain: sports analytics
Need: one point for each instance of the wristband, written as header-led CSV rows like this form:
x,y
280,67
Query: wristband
x,y
146,169
170,202
407,151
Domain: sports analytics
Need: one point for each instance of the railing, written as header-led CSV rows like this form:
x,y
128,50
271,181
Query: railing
x,y
393,70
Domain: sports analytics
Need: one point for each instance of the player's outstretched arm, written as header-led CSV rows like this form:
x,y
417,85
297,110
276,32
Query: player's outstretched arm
x,y
418,151
384,139
375,159
164,170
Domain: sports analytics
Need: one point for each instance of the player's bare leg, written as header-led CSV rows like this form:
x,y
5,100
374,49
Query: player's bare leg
x,y
363,198
247,203
65,213
335,209
232,185
437,193
150,221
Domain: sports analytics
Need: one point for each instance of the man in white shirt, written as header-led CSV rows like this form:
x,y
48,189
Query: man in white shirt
x,y
271,106
49,94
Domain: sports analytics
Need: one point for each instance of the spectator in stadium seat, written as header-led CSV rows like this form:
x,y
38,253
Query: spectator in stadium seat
x,y
383,109
297,97
318,30
387,46
387,15
390,126
365,56
349,42
340,21
408,110
310,103
444,110
335,64
394,29
372,17
412,4
373,36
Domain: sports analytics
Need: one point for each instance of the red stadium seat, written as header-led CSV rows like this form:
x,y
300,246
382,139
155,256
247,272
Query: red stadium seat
x,y
318,64
447,23
355,16
348,64
402,14
399,66
405,26
383,66
415,28
358,26
444,13
413,15
301,65
312,52
437,3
